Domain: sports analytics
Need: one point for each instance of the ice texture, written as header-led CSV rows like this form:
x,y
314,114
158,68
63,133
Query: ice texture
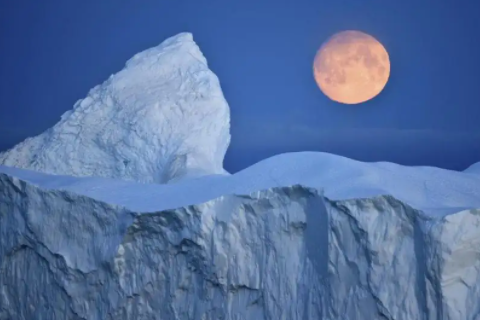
x,y
121,211
277,253
161,118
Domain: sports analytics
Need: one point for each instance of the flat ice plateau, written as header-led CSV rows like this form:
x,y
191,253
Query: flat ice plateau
x,y
168,234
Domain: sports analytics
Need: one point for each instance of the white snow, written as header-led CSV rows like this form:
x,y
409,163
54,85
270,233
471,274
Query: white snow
x,y
161,118
433,190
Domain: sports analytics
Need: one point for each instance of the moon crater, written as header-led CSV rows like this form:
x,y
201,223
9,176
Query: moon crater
x,y
351,67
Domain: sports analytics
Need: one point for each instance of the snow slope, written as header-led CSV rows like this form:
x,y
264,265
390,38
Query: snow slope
x,y
433,190
474,168
162,117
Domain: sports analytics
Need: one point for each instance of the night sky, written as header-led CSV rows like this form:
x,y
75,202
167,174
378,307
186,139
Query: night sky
x,y
53,52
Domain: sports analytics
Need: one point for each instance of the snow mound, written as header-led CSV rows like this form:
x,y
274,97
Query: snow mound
x,y
435,191
161,118
474,168
430,189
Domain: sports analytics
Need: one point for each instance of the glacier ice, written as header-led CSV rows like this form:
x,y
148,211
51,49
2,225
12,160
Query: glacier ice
x,y
161,118
301,236
107,262
282,253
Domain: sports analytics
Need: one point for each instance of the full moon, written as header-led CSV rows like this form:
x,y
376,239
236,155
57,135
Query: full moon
x,y
351,67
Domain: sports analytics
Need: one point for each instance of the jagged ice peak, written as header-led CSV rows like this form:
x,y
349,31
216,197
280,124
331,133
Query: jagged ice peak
x,y
162,118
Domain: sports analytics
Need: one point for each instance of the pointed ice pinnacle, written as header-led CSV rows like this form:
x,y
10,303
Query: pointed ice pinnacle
x,y
162,118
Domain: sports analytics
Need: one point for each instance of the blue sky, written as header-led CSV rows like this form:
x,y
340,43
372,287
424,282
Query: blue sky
x,y
53,52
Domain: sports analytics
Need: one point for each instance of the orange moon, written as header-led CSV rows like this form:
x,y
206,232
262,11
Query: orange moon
x,y
351,67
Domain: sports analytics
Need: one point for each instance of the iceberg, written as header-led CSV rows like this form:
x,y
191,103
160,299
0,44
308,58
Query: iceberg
x,y
161,118
301,236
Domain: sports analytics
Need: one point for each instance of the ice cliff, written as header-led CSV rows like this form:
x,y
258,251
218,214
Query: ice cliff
x,y
301,236
93,248
162,117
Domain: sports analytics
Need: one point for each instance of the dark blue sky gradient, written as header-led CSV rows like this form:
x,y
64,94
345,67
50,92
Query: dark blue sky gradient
x,y
53,52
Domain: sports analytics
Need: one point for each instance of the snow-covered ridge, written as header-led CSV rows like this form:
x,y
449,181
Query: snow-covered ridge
x,y
162,118
433,190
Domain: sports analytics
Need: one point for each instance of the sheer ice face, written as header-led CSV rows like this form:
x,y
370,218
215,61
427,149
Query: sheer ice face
x,y
97,248
162,118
